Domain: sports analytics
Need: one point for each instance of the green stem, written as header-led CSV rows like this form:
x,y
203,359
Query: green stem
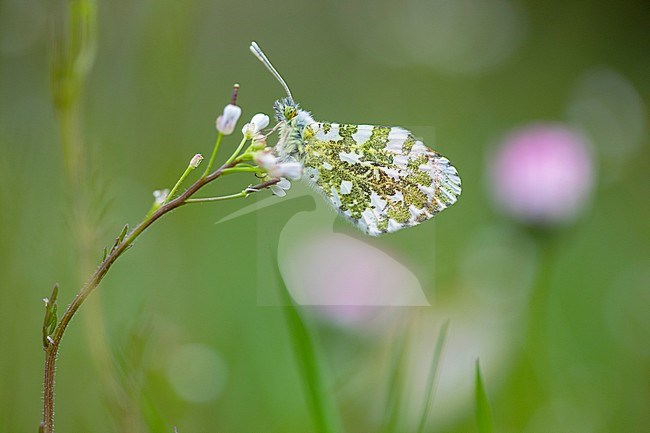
x,y
220,198
538,304
236,152
244,169
187,171
213,156
245,193
528,377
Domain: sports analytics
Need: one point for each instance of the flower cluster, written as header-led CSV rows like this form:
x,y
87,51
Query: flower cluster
x,y
268,163
267,160
276,168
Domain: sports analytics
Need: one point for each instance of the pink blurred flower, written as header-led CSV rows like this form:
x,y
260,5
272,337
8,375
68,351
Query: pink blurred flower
x,y
347,281
542,174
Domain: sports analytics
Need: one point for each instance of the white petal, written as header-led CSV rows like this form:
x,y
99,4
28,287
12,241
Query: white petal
x,y
227,121
260,120
265,159
284,184
278,191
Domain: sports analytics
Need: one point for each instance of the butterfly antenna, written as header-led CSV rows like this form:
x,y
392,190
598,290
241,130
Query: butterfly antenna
x,y
255,49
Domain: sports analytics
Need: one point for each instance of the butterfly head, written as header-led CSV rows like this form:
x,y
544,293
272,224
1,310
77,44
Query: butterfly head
x,y
285,109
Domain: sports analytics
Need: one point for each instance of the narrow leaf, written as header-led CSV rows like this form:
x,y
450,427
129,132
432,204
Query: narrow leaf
x,y
433,371
54,295
394,389
484,420
322,407
123,233
50,317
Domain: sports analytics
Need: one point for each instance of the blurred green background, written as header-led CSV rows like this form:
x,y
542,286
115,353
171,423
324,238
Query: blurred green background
x,y
182,332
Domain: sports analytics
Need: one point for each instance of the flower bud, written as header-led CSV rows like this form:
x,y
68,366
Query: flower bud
x,y
257,123
227,121
196,161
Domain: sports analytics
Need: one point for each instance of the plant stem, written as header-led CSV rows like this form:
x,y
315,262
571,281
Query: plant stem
x,y
187,171
244,169
220,198
56,337
213,156
245,193
236,152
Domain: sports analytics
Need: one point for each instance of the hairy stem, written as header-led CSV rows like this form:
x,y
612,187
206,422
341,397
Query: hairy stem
x,y
56,337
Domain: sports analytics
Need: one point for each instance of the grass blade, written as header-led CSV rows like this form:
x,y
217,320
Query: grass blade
x,y
433,371
484,420
394,391
322,407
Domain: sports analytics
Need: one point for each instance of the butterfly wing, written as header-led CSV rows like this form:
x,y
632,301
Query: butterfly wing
x,y
381,178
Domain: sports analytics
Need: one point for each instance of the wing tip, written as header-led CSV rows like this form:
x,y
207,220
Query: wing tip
x,y
450,185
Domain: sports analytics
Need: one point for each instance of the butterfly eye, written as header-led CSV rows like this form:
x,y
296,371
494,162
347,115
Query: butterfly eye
x,y
289,112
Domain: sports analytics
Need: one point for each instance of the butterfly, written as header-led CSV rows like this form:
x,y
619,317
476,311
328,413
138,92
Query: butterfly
x,y
380,178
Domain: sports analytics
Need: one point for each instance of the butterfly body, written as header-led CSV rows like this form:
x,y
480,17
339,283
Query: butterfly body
x,y
380,178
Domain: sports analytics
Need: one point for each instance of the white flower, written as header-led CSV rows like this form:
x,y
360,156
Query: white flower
x,y
265,158
160,195
291,170
281,187
257,123
196,160
227,121
276,168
